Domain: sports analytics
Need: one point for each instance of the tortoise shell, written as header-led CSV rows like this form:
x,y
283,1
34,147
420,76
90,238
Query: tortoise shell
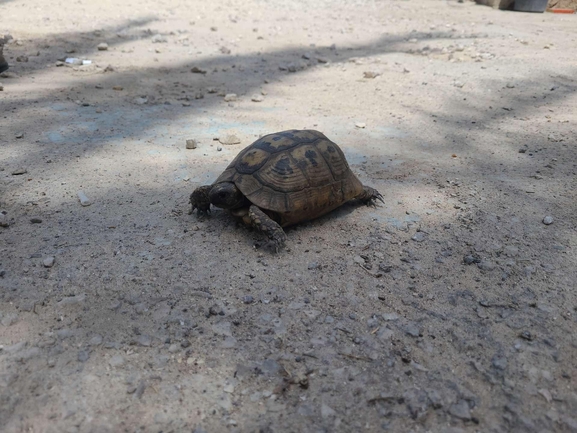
x,y
294,175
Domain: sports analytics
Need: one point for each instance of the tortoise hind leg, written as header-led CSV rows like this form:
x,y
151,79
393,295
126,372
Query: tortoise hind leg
x,y
369,196
263,223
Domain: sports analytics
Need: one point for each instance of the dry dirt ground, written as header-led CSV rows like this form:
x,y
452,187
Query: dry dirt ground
x,y
451,308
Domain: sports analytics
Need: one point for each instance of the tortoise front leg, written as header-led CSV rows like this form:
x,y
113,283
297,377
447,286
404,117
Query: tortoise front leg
x,y
199,200
262,222
369,196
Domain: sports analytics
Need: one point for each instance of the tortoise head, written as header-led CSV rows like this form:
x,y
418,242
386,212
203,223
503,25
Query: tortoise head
x,y
227,196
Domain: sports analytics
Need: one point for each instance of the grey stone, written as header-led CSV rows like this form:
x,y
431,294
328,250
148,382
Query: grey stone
x,y
116,361
418,237
548,220
486,265
96,340
48,262
222,328
327,411
499,361
461,410
413,329
144,340
83,355
102,46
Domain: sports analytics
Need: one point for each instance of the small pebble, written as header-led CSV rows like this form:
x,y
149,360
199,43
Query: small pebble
x,y
548,220
19,171
229,139
191,144
117,88
418,237
4,220
35,220
116,361
48,262
84,200
158,39
102,47
257,98
218,148
360,125
1,87
22,59
197,70
248,299
370,74
230,97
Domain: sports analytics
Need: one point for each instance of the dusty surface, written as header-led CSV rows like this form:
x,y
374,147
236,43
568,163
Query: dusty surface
x,y
451,308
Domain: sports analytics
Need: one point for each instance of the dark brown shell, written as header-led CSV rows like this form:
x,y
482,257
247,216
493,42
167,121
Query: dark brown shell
x,y
299,175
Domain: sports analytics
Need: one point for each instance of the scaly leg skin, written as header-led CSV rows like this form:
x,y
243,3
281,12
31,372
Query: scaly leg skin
x,y
262,222
369,196
199,200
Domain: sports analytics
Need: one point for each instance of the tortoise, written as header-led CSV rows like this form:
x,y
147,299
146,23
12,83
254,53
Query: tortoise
x,y
282,179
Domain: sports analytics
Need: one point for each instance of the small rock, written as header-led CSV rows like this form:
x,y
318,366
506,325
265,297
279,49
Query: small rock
x,y
360,125
197,70
116,361
313,265
327,411
461,410
458,84
191,144
144,340
173,348
370,74
218,148
35,220
413,329
48,262
211,90
322,60
486,265
229,139
141,100
83,355
22,59
390,316
1,87
96,340
548,220
470,259
158,39
84,201
418,237
523,150
248,299
118,88
102,47
499,362
230,97
9,319
19,171
257,98
224,50
4,220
